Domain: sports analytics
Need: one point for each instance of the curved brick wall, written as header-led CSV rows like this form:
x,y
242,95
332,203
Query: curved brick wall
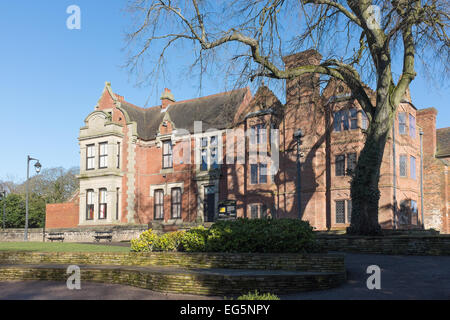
x,y
213,282
297,262
194,273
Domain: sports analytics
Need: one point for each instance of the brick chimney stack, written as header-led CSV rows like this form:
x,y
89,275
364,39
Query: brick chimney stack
x,y
426,119
305,88
166,98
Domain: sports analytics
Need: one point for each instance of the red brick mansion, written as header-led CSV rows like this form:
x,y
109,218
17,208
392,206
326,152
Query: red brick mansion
x,y
234,154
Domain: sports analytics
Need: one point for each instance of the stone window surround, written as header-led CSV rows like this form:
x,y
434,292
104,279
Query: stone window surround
x,y
111,201
111,183
260,208
198,148
345,154
166,187
258,173
346,213
175,138
112,149
360,115
167,190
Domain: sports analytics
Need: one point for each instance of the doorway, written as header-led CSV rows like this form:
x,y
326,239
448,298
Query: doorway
x,y
209,204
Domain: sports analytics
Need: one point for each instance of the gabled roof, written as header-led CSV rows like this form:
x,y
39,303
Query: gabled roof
x,y
215,111
443,142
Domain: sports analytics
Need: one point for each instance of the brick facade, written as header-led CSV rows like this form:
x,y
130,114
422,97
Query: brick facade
x,y
62,215
144,180
435,167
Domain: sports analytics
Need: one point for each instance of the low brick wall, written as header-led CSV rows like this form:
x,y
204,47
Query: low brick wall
x,y
183,281
193,273
398,245
262,261
81,234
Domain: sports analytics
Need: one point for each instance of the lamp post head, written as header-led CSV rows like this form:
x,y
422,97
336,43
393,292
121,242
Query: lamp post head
x,y
298,134
38,167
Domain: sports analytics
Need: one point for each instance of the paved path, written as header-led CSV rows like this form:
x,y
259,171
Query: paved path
x,y
53,290
402,277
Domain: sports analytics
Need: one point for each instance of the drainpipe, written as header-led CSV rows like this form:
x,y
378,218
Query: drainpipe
x,y
298,135
421,178
394,175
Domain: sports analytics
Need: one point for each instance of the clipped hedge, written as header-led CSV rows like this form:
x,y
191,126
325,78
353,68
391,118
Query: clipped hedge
x,y
261,235
258,296
240,235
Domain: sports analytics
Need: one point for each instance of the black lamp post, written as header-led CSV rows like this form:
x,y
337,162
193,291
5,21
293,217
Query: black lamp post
x,y
38,167
3,197
298,135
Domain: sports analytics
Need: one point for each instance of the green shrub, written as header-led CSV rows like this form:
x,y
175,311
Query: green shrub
x,y
194,240
258,296
169,241
241,235
261,235
145,242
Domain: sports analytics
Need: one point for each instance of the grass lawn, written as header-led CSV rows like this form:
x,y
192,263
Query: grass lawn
x,y
59,247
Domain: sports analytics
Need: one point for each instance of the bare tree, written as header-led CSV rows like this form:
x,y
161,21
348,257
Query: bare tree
x,y
55,185
367,39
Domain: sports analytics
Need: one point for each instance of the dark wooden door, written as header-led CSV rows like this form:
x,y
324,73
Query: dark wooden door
x,y
209,204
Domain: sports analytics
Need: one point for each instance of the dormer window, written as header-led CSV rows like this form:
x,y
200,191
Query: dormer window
x,y
167,154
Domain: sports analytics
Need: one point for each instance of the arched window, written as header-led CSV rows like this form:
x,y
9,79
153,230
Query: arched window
x,y
102,204
89,204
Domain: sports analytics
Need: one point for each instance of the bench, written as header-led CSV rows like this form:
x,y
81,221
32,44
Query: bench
x,y
107,235
56,236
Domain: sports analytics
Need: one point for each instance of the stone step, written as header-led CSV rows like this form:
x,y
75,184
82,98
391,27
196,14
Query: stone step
x,y
178,280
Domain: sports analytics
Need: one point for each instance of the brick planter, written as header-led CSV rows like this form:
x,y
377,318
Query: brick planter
x,y
202,282
194,273
255,261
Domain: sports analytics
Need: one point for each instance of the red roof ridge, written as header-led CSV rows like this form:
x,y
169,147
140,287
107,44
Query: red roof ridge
x,y
211,95
188,100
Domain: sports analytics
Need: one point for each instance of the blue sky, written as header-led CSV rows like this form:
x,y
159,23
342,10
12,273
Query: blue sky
x,y
52,77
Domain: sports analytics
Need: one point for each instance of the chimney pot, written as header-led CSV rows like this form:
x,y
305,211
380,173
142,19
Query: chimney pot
x,y
166,98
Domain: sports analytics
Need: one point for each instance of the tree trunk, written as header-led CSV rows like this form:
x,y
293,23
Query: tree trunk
x,y
365,193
